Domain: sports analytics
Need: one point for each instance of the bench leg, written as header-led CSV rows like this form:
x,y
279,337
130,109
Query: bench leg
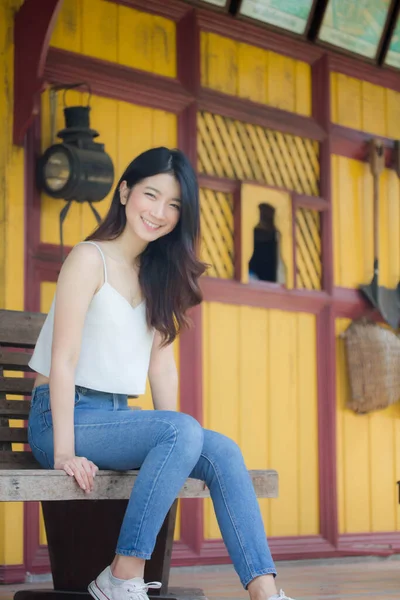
x,y
82,537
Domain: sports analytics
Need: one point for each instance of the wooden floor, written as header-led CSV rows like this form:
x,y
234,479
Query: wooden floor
x,y
350,579
369,579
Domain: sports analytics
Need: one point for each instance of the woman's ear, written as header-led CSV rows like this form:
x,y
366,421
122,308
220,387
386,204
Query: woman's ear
x,y
123,193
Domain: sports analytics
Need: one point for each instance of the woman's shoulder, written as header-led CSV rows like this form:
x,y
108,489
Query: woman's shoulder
x,y
89,252
82,270
84,258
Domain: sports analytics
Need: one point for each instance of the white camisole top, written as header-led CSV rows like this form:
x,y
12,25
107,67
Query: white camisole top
x,y
116,343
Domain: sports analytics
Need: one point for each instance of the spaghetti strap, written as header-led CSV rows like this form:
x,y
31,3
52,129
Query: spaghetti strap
x,y
102,256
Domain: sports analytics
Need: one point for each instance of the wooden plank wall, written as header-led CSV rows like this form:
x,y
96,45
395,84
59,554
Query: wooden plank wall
x,y
259,366
260,389
368,447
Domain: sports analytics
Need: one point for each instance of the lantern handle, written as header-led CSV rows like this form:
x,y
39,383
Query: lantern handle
x,y
73,86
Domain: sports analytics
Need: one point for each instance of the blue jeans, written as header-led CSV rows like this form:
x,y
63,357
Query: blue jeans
x,y
168,447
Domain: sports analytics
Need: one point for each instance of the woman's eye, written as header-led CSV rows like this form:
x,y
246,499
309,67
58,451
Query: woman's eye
x,y
177,206
150,195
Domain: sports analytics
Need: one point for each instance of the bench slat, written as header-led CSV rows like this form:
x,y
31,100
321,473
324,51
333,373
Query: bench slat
x,y
10,413
42,485
15,361
14,409
16,385
19,328
17,460
17,435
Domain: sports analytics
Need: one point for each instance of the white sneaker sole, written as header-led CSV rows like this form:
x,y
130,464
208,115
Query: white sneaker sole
x,y
96,592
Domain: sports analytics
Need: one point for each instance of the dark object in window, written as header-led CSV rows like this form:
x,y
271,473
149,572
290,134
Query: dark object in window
x,y
263,264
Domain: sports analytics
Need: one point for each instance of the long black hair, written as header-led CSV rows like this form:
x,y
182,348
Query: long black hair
x,y
169,268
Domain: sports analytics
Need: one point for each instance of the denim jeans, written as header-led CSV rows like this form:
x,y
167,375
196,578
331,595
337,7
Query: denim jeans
x,y
168,447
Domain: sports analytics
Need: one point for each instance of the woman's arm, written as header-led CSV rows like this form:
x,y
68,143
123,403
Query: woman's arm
x,y
79,278
163,376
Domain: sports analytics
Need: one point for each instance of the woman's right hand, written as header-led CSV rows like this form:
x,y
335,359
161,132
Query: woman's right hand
x,y
81,468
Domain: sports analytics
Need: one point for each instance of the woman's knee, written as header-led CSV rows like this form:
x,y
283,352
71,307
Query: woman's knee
x,y
221,455
218,445
188,433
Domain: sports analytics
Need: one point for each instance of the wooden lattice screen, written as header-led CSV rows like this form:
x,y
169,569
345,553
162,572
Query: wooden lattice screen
x,y
308,249
230,148
216,210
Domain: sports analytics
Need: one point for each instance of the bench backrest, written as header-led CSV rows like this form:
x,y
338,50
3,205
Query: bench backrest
x,y
18,334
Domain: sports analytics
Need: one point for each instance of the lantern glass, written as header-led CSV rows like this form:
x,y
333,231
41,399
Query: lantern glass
x,y
57,171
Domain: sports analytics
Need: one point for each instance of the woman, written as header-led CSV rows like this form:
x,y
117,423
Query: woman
x,y
121,300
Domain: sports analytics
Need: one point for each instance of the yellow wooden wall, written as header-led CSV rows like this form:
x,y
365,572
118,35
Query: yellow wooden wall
x,y
11,173
260,389
11,244
353,224
259,75
118,34
375,110
368,447
368,459
364,106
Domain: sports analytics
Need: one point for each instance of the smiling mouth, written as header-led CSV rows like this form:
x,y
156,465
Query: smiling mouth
x,y
150,224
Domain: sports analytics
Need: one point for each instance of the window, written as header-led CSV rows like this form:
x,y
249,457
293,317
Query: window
x,y
266,263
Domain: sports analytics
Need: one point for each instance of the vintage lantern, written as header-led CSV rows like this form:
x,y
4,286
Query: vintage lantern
x,y
77,169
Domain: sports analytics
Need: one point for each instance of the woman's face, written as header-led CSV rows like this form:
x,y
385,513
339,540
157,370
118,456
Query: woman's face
x,y
152,206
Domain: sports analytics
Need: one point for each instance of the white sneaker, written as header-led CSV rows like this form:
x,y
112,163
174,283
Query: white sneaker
x,y
281,596
102,588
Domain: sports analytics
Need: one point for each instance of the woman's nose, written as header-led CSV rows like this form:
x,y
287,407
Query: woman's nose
x,y
158,210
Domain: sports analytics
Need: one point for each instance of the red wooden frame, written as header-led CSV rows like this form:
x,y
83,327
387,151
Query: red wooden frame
x,y
184,97
173,9
116,81
326,340
259,114
313,202
12,573
35,556
190,347
191,393
354,144
31,44
294,239
321,101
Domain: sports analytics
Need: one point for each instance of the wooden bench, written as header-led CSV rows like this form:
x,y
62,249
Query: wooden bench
x,y
82,530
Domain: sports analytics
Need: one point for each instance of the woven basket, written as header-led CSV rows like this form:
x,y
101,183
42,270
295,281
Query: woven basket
x,y
373,360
